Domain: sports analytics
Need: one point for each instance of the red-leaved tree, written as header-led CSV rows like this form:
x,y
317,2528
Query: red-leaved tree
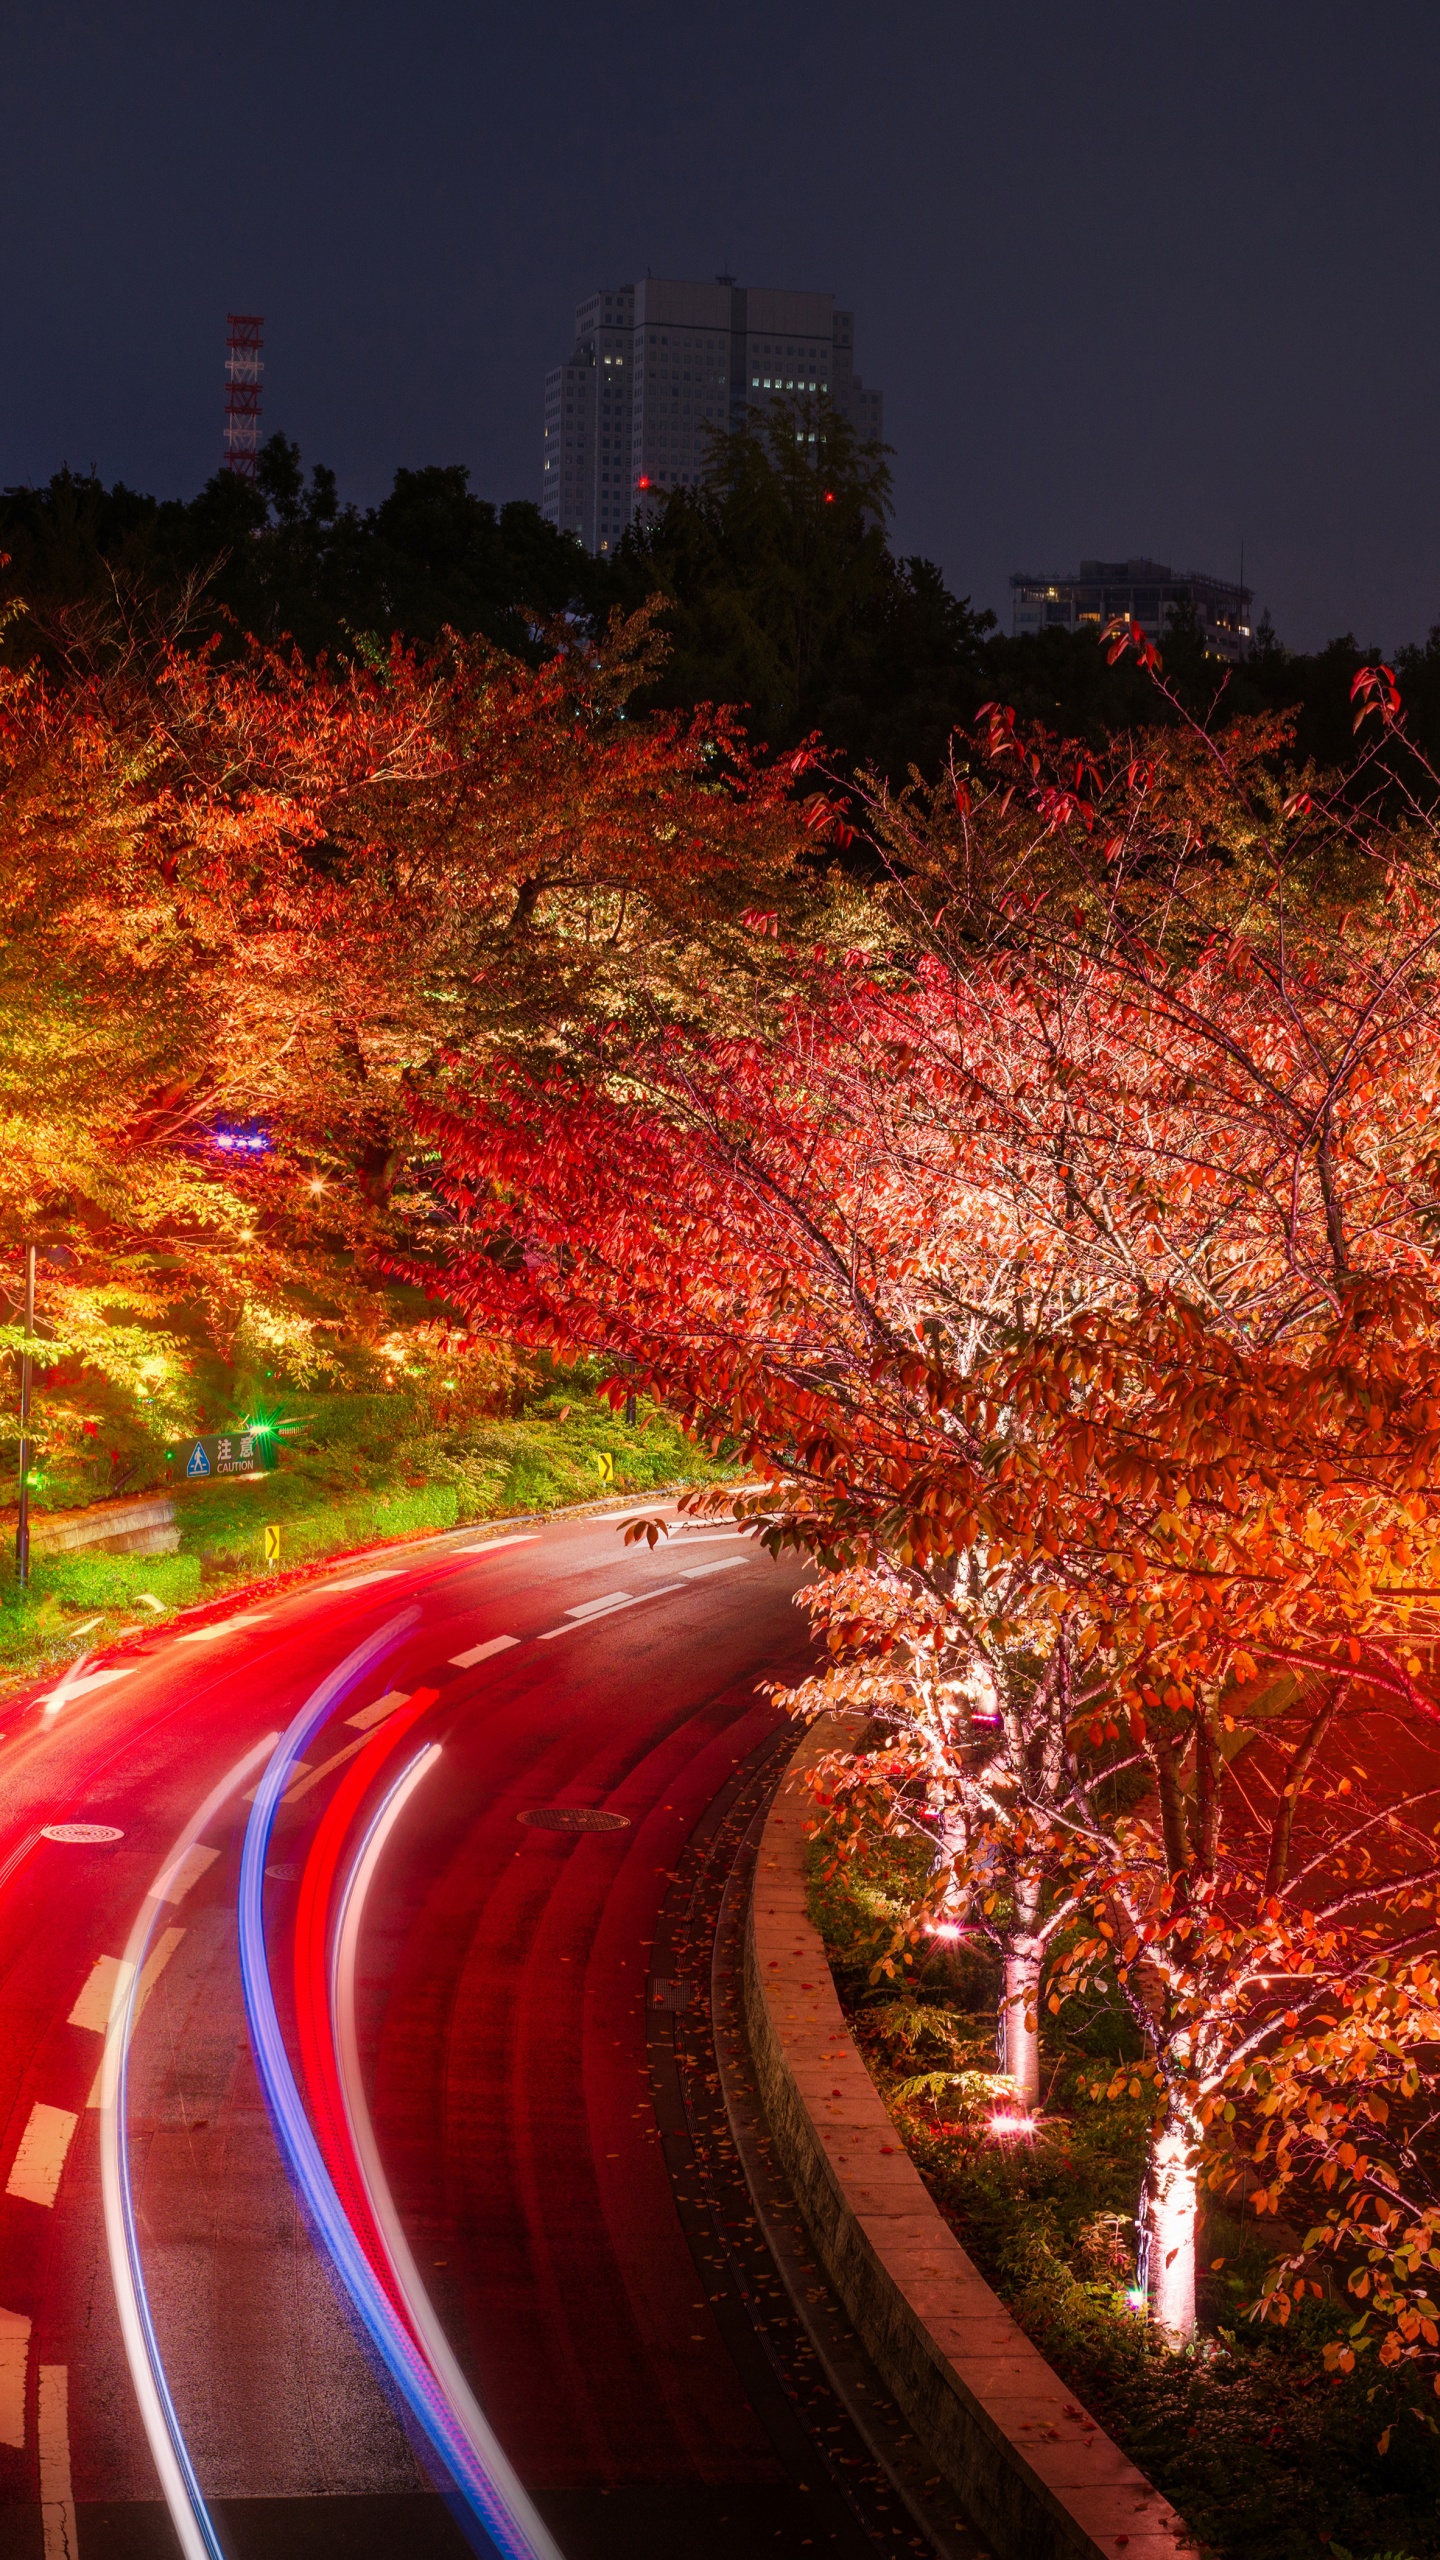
x,y
1076,1268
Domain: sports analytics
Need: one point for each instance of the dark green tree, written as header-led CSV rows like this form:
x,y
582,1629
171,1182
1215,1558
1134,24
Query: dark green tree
x,y
784,595
280,557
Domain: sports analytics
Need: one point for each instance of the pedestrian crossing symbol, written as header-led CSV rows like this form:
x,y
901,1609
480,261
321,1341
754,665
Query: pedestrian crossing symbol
x,y
233,1453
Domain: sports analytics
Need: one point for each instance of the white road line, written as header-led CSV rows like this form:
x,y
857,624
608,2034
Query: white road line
x,y
92,2008
482,1652
376,1715
35,2169
357,1581
68,1689
57,2498
594,1617
155,1963
312,1777
178,1880
14,2358
607,1600
717,1564
223,1627
488,1546
300,1768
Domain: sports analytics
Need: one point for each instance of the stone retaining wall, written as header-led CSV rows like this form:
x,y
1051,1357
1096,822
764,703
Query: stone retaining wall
x,y
1041,2480
145,1525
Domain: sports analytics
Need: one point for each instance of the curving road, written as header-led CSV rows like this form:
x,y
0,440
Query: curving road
x,y
507,2079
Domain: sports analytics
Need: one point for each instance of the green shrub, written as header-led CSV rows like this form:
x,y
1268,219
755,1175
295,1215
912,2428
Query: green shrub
x,y
356,1470
90,1581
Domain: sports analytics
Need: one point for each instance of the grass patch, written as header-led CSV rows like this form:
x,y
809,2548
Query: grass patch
x,y
1259,2449
355,1471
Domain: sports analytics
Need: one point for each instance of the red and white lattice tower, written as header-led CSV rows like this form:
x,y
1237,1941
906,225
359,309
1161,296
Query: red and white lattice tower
x,y
244,373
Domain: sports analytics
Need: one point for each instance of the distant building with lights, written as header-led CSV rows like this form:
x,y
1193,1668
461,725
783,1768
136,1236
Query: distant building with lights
x,y
1143,591
657,363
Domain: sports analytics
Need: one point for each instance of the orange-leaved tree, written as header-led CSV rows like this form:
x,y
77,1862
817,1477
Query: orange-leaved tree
x,y
1078,1266
249,906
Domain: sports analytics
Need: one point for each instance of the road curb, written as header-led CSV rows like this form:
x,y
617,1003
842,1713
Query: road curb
x,y
1041,2480
18,1690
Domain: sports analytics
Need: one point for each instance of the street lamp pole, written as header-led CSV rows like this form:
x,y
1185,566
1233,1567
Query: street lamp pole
x,y
22,1525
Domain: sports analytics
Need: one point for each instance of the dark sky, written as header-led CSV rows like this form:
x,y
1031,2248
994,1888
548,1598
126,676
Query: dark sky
x,y
1131,277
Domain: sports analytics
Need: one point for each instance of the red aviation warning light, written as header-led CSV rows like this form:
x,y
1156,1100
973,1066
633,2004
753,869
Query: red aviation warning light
x,y
245,336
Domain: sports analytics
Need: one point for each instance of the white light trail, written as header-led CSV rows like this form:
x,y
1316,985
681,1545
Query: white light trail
x,y
181,2489
419,2309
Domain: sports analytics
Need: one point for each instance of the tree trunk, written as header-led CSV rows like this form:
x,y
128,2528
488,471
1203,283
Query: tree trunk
x,y
1020,2020
1019,2038
1170,2214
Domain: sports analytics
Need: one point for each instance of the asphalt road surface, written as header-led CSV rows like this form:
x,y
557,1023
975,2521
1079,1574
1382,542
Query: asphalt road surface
x,y
533,2025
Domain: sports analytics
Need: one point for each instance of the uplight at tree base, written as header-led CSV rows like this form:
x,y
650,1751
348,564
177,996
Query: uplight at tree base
x,y
1008,2127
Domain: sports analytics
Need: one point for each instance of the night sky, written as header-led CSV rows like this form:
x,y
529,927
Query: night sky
x,y
1131,278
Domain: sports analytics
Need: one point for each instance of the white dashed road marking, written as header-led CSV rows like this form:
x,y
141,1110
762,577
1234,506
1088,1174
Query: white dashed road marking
x,y
609,1608
14,2357
482,1652
380,1710
35,2169
88,1680
717,1564
155,1963
57,2499
300,1767
92,2009
312,1777
177,1881
223,1627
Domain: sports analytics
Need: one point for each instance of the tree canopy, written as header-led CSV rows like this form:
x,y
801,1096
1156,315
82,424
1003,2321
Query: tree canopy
x,y
781,592
1067,1266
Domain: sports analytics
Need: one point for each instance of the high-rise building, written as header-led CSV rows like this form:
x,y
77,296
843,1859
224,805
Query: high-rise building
x,y
657,363
1143,591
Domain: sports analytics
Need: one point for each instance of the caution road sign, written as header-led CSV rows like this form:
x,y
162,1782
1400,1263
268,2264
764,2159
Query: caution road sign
x,y
229,1453
272,1541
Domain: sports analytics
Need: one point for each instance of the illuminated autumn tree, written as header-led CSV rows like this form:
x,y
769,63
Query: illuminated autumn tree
x,y
248,908
1075,1269
967,1691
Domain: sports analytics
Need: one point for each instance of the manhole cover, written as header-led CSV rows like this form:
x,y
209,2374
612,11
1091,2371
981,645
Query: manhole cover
x,y
669,1995
80,1834
573,1817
